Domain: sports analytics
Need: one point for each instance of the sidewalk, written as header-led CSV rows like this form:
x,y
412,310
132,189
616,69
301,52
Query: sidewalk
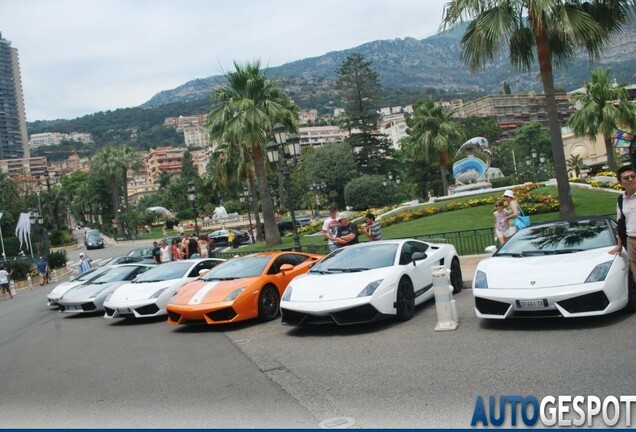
x,y
469,264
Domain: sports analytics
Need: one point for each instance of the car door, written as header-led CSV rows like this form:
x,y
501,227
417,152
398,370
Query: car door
x,y
420,273
286,277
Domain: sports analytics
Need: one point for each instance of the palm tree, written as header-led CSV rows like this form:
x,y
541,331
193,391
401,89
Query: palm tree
x,y
250,106
129,159
432,136
576,164
551,29
603,108
106,162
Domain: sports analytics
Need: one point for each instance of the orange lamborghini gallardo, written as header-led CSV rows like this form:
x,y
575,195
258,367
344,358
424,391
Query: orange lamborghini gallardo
x,y
239,289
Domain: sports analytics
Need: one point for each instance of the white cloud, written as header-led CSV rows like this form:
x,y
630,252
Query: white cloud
x,y
78,57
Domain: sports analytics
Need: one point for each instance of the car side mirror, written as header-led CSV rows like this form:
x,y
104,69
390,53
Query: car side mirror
x,y
286,267
417,256
203,271
491,249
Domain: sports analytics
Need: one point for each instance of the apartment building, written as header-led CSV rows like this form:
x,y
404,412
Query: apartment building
x,y
168,159
192,127
320,135
13,131
54,138
513,111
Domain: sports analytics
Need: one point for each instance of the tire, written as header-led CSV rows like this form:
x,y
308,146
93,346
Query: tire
x,y
268,303
631,294
456,279
405,300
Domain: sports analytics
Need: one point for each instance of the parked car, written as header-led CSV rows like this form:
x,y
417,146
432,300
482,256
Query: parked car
x,y
220,237
94,241
239,289
367,282
90,297
141,252
148,295
90,231
126,259
56,293
560,268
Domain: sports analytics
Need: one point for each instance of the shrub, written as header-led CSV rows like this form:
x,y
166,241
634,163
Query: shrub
x,y
57,259
369,191
61,238
19,267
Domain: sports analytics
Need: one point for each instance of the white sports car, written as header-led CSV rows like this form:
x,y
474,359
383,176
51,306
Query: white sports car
x,y
148,295
56,293
89,297
559,268
367,282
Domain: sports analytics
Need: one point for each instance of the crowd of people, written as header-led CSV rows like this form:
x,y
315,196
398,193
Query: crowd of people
x,y
340,231
187,246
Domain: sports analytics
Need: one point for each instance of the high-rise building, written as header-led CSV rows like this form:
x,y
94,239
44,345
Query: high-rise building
x,y
14,142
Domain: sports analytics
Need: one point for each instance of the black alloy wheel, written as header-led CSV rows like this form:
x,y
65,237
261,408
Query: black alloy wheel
x,y
405,300
268,303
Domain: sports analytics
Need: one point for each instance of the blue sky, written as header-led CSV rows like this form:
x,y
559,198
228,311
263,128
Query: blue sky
x,y
79,57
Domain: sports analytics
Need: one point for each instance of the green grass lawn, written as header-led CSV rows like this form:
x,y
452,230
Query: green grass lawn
x,y
587,203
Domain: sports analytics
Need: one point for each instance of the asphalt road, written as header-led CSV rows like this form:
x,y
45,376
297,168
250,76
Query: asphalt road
x,y
59,370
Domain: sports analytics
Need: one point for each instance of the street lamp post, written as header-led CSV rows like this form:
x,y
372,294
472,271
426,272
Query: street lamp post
x,y
536,163
37,221
4,255
289,147
193,199
245,198
50,179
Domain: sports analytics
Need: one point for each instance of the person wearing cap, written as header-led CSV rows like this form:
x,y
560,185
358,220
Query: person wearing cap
x,y
85,263
513,211
330,228
347,233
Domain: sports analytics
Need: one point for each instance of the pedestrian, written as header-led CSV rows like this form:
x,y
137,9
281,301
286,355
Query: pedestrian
x,y
502,226
203,246
347,233
156,252
193,246
175,250
230,238
85,263
372,228
164,233
43,269
626,215
4,281
166,252
514,210
330,228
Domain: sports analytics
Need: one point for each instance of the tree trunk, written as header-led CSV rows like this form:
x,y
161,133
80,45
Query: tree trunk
x,y
254,207
566,204
114,192
272,235
444,173
609,149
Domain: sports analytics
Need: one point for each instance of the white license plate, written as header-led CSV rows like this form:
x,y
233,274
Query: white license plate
x,y
532,304
74,307
125,310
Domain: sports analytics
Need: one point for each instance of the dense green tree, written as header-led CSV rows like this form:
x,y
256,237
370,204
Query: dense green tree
x,y
250,105
129,160
487,127
359,88
432,135
603,107
188,171
545,30
334,166
369,191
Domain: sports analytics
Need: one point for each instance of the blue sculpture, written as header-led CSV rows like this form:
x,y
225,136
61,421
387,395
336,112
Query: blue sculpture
x,y
472,161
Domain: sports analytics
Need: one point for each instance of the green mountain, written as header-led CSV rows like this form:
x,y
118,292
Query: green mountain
x,y
418,66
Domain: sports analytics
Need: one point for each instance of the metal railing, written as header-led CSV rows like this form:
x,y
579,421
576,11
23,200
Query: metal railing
x,y
466,242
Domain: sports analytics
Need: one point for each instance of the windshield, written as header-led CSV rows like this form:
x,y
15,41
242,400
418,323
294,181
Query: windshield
x,y
91,274
559,238
167,271
348,259
115,274
237,268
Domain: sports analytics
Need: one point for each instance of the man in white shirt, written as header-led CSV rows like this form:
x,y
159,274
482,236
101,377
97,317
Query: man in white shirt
x,y
4,281
330,228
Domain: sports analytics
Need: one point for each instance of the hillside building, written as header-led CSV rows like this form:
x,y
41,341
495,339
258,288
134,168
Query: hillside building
x,y
512,111
46,139
13,131
192,127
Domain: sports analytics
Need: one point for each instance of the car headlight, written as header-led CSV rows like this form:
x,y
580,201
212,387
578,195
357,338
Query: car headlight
x,y
158,293
599,273
370,289
481,281
287,294
234,294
